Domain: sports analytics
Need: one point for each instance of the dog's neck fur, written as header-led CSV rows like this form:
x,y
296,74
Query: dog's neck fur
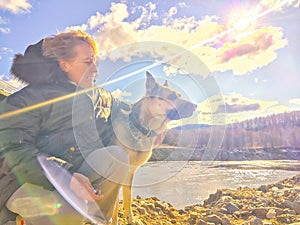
x,y
145,121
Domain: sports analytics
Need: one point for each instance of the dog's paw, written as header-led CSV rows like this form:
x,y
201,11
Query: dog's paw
x,y
114,221
88,222
134,221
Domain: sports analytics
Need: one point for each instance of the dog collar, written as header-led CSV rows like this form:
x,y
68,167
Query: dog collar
x,y
133,118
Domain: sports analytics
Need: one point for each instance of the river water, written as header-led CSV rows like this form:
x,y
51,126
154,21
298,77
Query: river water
x,y
186,183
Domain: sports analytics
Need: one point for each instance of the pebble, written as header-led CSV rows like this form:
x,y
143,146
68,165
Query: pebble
x,y
274,204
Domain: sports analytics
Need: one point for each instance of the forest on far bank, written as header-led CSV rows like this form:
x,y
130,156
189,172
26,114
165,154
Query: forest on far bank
x,y
272,137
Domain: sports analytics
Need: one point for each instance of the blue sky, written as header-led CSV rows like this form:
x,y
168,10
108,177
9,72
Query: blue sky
x,y
246,52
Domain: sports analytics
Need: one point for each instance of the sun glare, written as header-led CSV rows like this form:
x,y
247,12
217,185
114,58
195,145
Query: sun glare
x,y
241,20
242,24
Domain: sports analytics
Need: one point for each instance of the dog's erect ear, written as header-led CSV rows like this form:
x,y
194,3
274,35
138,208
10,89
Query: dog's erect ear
x,y
151,84
166,83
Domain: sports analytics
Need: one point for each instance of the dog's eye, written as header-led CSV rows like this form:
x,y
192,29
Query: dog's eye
x,y
172,96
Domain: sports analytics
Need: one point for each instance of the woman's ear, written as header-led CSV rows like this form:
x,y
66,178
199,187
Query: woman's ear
x,y
63,65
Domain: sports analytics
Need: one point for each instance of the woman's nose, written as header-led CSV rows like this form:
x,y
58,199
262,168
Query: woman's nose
x,y
94,67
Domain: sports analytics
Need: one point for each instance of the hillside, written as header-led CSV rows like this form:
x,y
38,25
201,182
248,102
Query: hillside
x,y
272,137
3,94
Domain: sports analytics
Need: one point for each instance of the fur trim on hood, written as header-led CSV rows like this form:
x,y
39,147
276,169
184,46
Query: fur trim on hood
x,y
34,68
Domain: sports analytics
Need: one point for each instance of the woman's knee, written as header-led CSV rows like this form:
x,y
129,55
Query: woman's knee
x,y
111,163
120,160
118,153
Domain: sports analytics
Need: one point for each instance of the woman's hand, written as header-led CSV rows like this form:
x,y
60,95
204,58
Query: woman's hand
x,y
83,188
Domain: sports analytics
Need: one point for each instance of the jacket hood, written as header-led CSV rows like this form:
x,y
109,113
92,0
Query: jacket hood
x,y
34,68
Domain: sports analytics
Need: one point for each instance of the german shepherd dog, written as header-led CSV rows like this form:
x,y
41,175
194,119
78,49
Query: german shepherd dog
x,y
140,129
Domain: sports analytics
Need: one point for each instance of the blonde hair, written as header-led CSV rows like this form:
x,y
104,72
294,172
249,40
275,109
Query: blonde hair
x,y
61,46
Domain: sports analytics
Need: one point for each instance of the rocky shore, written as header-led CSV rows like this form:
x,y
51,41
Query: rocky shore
x,y
272,204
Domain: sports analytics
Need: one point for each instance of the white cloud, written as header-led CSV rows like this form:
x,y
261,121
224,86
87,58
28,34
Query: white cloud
x,y
179,33
147,15
82,27
2,21
295,101
16,6
251,52
5,30
182,5
278,4
95,21
206,39
236,108
6,50
172,11
120,94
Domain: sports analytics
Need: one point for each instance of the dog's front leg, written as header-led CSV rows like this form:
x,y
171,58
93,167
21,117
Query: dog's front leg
x,y
115,213
127,198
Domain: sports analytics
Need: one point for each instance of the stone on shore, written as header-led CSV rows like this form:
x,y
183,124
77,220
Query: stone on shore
x,y
273,204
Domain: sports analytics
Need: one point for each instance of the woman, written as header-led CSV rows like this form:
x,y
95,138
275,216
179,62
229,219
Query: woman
x,y
56,115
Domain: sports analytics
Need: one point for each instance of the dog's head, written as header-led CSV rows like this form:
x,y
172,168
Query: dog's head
x,y
166,101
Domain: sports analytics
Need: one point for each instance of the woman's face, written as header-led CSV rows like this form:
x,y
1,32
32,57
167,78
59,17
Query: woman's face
x,y
82,68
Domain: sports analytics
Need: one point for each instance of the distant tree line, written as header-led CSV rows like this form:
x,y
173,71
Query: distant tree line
x,y
270,133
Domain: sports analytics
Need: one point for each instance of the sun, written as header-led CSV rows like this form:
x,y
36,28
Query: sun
x,y
242,24
241,20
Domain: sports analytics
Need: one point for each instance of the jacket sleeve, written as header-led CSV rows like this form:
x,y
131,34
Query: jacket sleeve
x,y
19,128
84,125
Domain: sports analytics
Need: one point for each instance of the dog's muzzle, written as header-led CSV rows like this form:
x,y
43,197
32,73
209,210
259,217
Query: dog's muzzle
x,y
184,111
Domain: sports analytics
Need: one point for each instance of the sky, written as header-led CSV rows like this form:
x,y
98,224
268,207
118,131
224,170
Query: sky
x,y
235,59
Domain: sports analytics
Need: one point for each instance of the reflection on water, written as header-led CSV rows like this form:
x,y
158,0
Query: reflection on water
x,y
186,183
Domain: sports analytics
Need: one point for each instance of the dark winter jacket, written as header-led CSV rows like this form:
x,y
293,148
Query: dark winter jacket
x,y
47,117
